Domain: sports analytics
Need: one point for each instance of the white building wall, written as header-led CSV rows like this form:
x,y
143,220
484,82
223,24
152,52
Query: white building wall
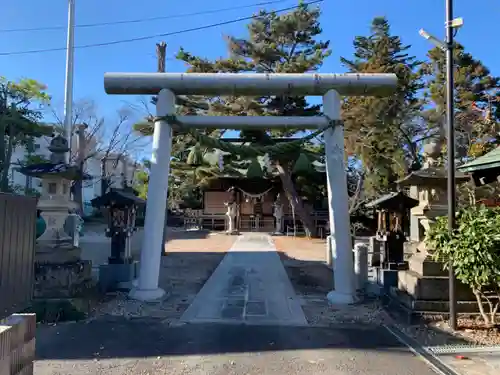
x,y
91,188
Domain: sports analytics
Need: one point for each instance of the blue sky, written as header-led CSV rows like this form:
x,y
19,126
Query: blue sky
x,y
341,21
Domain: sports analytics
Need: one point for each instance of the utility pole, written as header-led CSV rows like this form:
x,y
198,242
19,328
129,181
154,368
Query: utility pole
x,y
452,25
161,53
81,156
68,87
450,117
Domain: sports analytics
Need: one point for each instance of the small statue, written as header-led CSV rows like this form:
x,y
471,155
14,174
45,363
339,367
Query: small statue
x,y
231,215
231,211
278,214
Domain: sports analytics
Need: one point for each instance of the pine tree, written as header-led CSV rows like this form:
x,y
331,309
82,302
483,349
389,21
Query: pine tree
x,y
381,132
19,119
285,43
477,101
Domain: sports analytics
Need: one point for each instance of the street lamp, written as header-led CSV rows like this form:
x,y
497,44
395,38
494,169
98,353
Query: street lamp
x,y
451,25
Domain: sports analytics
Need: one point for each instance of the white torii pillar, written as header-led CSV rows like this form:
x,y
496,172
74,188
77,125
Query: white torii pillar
x,y
331,86
338,206
147,288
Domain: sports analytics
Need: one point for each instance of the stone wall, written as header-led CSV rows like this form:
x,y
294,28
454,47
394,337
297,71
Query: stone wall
x,y
17,344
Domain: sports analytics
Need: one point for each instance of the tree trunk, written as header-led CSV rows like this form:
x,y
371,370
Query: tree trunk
x,y
483,313
3,127
4,184
295,200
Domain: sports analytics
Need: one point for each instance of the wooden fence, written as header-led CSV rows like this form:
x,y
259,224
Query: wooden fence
x,y
17,252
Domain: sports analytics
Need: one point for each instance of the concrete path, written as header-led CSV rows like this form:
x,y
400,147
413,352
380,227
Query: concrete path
x,y
136,347
250,286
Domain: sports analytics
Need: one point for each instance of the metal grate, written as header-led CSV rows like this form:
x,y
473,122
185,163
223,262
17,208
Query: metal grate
x,y
452,349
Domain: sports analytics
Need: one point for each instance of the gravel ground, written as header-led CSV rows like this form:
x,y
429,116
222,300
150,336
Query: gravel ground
x,y
435,331
304,261
190,259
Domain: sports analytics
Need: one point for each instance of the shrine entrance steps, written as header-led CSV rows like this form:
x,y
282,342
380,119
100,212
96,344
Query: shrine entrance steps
x,y
250,286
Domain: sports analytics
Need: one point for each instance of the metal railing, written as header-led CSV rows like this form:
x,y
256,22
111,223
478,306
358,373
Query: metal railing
x,y
17,252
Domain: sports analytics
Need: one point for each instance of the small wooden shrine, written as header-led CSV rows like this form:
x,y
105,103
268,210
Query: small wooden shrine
x,y
393,225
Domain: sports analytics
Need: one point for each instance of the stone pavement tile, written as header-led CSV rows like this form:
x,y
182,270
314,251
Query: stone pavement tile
x,y
250,286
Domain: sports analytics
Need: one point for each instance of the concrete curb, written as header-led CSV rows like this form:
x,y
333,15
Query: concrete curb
x,y
418,350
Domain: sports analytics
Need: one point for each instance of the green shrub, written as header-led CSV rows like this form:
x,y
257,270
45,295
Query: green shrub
x,y
474,249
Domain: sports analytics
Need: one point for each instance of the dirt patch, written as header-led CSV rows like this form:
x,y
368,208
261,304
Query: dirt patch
x,y
197,241
301,248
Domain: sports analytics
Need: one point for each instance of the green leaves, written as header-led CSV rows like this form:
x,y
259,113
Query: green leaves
x,y
254,170
303,165
380,132
20,115
474,247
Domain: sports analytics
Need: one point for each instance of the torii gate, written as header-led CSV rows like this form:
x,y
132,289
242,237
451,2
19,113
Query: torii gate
x,y
330,86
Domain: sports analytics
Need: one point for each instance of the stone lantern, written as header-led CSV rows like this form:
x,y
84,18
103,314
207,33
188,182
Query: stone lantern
x,y
424,286
121,207
59,270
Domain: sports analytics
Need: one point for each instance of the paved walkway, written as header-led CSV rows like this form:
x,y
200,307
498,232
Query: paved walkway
x,y
138,347
250,286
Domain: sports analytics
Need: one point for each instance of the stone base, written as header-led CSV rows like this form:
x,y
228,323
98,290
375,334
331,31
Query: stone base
x,y
63,253
62,280
336,298
431,307
233,232
387,279
17,344
431,288
147,295
424,287
423,265
116,276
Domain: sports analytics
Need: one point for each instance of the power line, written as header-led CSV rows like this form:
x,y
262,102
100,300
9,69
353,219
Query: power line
x,y
138,39
142,20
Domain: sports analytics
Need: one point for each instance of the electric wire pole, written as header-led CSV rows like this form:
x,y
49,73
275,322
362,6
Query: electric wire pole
x,y
68,86
450,98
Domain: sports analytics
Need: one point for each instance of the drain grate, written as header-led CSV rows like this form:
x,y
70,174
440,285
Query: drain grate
x,y
452,349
